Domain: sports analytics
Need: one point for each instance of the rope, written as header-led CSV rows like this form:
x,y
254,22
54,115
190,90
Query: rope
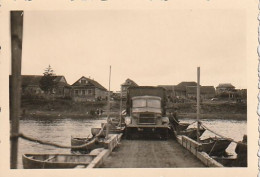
x,y
193,122
230,139
21,135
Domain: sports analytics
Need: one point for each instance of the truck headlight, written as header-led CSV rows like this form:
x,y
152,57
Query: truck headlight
x,y
165,120
127,120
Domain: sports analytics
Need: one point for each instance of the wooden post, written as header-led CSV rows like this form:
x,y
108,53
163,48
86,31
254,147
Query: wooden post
x,y
120,111
16,52
108,112
198,102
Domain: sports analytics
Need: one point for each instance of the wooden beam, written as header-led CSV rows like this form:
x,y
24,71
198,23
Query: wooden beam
x,y
16,52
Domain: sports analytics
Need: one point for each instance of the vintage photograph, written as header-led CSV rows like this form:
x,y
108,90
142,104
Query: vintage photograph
x,y
128,89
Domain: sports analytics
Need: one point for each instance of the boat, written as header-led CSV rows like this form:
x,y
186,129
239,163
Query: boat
x,y
93,143
55,161
182,126
226,161
214,146
113,128
191,132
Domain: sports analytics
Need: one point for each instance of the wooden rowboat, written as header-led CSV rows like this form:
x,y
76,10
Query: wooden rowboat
x,y
182,126
55,161
191,132
214,146
81,141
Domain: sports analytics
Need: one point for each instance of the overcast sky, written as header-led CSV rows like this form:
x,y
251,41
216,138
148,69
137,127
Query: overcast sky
x,y
150,47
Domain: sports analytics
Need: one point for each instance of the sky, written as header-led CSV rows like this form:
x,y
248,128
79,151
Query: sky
x,y
151,47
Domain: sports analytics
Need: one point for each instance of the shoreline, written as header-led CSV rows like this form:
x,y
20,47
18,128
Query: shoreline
x,y
223,116
77,115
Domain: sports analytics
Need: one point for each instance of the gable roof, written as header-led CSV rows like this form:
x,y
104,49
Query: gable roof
x,y
129,82
167,87
203,90
225,85
34,80
90,82
182,86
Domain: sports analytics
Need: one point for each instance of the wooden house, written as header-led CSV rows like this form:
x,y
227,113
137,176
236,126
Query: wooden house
x,y
180,89
128,83
30,85
86,89
224,87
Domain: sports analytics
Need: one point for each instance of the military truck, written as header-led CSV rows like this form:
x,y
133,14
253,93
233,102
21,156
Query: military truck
x,y
145,112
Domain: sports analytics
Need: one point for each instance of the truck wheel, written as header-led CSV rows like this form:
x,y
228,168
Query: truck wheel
x,y
164,135
128,135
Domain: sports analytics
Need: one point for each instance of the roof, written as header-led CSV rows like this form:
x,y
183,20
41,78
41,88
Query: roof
x,y
167,87
225,85
90,82
34,80
182,86
129,82
203,90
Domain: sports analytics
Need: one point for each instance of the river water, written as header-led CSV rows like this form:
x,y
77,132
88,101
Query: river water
x,y
60,131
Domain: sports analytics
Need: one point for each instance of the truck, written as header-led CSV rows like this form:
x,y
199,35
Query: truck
x,y
146,112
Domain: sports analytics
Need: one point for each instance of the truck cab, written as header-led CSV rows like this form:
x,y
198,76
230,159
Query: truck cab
x,y
146,113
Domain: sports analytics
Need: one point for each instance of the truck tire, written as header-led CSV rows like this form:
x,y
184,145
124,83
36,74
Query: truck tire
x,y
128,134
165,134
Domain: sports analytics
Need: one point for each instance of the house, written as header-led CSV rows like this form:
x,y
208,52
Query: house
x,y
180,89
224,87
206,92
86,89
128,83
31,86
61,87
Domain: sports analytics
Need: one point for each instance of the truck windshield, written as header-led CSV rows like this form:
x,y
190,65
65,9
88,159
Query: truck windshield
x,y
139,103
152,103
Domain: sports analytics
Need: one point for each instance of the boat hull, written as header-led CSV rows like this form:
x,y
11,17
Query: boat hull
x,y
215,146
81,141
191,133
55,161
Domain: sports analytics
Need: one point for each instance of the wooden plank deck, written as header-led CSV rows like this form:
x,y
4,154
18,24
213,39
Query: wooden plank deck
x,y
150,154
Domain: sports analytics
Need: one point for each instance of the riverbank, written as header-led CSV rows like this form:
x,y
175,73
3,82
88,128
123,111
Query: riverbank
x,y
67,109
224,116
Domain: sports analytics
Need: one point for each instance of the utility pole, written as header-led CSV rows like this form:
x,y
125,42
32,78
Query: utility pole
x,y
198,103
108,112
16,52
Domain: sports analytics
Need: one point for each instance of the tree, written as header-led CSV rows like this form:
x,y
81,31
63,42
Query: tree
x,y
46,83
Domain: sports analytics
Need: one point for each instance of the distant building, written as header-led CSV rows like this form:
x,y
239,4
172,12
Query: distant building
x,y
86,89
62,88
206,92
225,88
128,83
31,86
180,89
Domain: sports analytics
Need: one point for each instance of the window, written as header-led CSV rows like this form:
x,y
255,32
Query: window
x,y
76,92
83,81
89,92
153,103
83,92
139,103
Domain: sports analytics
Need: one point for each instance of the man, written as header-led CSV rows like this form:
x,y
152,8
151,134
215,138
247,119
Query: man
x,y
173,119
241,150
